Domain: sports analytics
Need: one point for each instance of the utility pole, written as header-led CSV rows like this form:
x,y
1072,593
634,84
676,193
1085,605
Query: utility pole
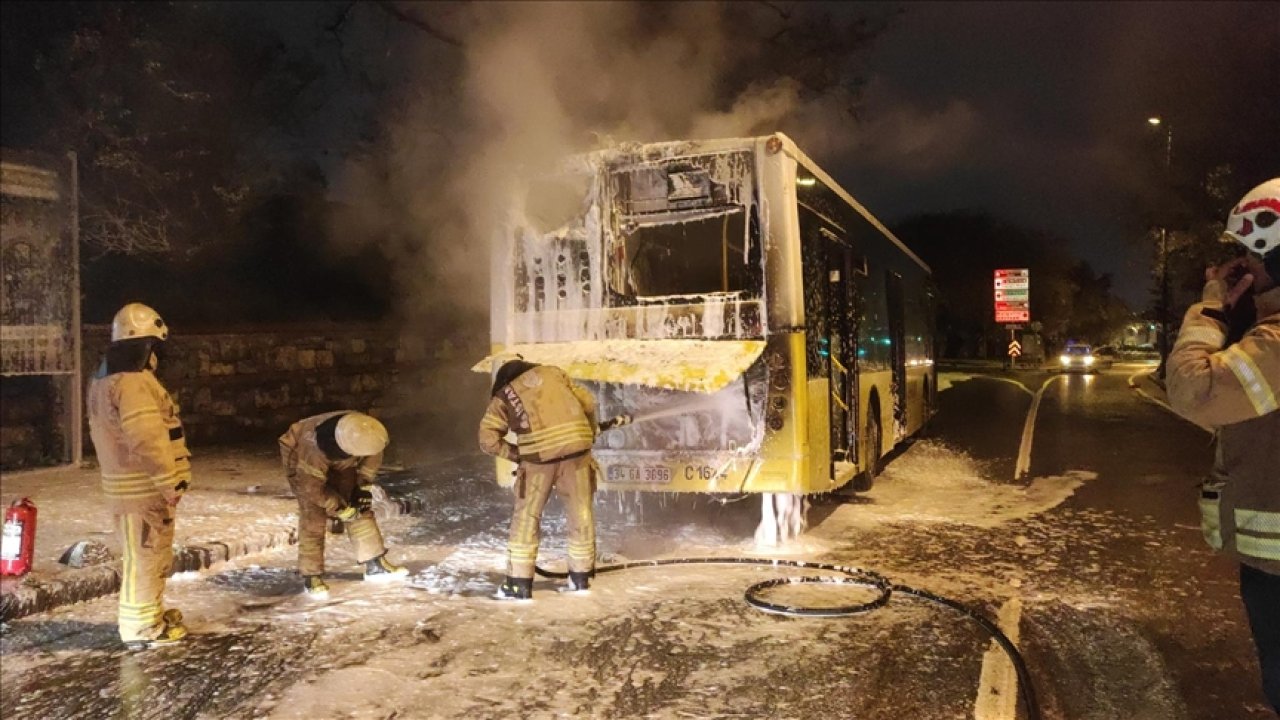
x,y
1156,121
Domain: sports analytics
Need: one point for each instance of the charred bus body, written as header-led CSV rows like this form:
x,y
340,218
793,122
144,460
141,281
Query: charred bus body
x,y
768,334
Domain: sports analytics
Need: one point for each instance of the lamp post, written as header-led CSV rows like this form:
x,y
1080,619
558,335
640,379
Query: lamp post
x,y
1156,121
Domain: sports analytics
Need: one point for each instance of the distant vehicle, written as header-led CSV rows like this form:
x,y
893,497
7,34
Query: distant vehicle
x,y
1144,354
1081,358
1105,356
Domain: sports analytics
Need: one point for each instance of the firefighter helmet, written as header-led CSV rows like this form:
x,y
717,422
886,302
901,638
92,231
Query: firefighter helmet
x,y
360,435
136,320
1255,221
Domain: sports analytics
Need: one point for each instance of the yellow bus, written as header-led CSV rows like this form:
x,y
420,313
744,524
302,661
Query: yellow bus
x,y
767,333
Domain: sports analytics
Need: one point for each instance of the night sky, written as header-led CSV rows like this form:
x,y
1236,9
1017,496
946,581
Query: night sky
x,y
1036,112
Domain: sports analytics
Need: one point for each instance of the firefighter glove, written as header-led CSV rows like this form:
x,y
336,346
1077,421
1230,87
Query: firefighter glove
x,y
348,513
362,498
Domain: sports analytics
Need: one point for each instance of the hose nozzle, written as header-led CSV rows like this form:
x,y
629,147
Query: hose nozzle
x,y
615,422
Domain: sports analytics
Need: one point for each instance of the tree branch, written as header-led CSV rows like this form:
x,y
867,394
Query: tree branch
x,y
395,12
784,14
337,24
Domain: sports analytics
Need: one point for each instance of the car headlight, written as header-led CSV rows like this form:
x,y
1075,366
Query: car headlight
x,y
1064,359
1088,359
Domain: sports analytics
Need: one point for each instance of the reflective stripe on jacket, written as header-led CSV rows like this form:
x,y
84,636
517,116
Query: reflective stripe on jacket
x,y
1234,390
138,438
551,416
307,467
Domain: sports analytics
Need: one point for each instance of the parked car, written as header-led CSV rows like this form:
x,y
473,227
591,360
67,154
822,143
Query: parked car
x,y
1105,357
1080,358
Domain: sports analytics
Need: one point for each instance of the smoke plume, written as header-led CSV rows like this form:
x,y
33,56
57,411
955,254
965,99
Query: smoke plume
x,y
535,82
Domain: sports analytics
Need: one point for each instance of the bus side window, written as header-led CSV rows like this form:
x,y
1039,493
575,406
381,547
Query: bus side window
x,y
813,260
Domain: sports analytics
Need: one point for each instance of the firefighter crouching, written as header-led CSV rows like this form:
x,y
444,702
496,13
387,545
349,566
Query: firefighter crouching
x,y
145,468
1224,372
555,425
330,460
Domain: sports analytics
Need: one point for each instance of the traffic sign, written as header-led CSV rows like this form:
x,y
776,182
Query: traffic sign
x,y
1015,349
1011,295
1012,288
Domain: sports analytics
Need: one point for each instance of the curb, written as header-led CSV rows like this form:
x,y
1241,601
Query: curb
x,y
89,583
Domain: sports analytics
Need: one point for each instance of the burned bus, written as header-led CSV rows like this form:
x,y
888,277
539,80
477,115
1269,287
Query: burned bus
x,y
765,331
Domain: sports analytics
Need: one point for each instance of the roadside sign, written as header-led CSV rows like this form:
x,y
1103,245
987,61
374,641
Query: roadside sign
x,y
1012,288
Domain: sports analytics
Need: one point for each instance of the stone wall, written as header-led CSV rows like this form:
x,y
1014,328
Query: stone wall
x,y
250,384
32,418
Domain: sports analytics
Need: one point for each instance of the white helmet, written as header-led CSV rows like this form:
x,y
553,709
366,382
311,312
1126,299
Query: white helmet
x,y
1255,221
360,435
136,320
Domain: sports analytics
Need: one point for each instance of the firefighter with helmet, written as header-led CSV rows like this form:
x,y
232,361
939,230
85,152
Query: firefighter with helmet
x,y
554,421
1224,372
146,468
331,461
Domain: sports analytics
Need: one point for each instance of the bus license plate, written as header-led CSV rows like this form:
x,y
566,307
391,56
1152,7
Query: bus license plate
x,y
656,474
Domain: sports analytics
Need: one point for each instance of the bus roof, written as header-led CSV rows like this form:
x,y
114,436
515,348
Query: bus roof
x,y
792,149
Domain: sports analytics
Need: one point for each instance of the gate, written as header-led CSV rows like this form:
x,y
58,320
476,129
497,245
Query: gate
x,y
40,310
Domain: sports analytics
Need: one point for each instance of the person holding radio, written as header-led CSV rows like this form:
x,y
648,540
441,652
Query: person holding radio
x,y
1224,372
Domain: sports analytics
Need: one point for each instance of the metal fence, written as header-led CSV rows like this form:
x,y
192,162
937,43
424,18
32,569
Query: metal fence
x,y
40,279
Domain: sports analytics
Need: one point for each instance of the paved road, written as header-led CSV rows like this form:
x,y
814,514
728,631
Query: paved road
x,y
1093,562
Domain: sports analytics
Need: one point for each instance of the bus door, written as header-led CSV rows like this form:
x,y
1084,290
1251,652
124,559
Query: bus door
x,y
898,345
841,342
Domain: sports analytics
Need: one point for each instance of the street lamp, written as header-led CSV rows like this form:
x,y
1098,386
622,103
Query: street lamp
x,y
1156,121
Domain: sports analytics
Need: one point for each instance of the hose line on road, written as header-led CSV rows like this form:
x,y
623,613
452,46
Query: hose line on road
x,y
844,575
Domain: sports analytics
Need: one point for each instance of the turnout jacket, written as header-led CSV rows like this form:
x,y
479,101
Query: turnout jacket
x,y
308,468
1234,390
138,438
551,416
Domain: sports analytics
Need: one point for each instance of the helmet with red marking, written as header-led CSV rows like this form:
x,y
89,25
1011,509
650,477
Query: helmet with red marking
x,y
1255,221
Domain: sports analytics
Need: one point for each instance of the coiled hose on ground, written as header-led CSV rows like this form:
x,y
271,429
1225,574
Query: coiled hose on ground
x,y
844,576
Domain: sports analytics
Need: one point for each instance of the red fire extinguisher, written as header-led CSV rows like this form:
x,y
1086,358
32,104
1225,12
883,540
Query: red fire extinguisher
x,y
18,546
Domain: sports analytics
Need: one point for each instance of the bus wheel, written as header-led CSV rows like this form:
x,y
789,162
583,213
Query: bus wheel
x,y
871,459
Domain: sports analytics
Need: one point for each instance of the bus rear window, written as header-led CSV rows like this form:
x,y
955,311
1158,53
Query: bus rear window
x,y
689,257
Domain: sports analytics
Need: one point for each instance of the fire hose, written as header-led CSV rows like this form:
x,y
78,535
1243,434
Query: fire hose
x,y
844,576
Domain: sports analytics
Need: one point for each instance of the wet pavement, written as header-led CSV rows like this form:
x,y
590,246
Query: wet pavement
x,y
1094,562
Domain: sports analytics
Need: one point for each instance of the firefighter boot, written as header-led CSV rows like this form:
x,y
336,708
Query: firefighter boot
x,y
169,635
380,569
515,589
579,582
315,587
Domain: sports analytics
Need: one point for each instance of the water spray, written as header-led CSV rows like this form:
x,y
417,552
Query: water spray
x,y
842,575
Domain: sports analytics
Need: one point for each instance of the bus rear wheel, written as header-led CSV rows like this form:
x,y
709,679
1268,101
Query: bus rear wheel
x,y
871,441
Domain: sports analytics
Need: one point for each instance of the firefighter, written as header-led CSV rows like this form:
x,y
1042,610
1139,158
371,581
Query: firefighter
x,y
145,468
330,461
554,421
1225,373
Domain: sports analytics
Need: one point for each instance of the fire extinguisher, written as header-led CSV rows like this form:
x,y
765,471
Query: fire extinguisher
x,y
18,546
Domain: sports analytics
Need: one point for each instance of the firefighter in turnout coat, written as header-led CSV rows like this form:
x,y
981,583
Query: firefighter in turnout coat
x,y
1224,372
145,467
554,421
330,461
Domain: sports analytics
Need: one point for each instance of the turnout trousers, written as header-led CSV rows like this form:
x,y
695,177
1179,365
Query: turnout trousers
x,y
147,539
573,482
313,521
1261,594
